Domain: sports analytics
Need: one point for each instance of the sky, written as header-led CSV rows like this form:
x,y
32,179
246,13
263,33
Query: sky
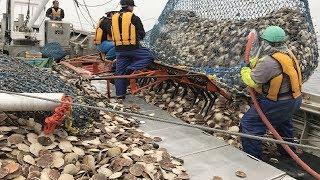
x,y
147,10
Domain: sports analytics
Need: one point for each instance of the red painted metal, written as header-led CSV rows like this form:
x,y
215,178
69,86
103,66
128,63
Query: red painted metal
x,y
92,65
88,65
59,114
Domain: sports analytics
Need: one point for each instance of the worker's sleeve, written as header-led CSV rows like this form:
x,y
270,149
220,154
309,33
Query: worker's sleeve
x,y
48,13
266,69
62,14
136,21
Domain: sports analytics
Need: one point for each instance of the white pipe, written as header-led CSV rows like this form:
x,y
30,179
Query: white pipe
x,y
15,103
36,15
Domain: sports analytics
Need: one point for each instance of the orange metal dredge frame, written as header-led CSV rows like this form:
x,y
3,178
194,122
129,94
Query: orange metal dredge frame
x,y
156,75
88,65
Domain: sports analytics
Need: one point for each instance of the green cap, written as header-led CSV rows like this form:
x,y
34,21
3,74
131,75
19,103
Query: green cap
x,y
274,34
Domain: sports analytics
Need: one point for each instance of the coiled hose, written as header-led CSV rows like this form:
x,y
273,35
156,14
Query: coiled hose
x,y
251,38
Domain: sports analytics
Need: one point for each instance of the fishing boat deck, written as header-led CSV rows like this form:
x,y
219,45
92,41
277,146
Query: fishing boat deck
x,y
204,156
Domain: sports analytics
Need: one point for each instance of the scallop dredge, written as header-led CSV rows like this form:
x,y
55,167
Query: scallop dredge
x,y
18,76
217,47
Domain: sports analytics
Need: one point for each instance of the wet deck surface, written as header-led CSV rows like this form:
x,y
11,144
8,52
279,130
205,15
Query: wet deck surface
x,y
204,156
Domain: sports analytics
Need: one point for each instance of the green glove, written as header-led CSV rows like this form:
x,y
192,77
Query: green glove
x,y
246,77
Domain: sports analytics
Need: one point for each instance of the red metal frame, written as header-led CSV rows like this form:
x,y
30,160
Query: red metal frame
x,y
92,65
88,65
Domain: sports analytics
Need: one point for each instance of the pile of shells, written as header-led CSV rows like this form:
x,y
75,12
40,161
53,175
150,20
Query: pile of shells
x,y
113,149
224,114
18,76
217,47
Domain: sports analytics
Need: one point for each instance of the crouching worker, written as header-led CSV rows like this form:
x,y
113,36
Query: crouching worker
x,y
276,76
103,39
127,31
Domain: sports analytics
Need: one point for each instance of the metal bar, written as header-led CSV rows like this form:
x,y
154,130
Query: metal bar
x,y
133,76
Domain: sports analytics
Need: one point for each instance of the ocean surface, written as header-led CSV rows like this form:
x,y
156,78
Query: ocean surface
x,y
313,84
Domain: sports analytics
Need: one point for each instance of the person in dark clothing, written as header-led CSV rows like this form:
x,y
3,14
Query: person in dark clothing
x,y
103,38
127,32
55,13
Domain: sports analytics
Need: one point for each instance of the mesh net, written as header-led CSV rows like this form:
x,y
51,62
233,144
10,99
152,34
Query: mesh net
x,y
210,35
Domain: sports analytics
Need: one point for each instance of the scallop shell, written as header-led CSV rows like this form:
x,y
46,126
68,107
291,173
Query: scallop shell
x,y
15,139
66,177
5,129
104,170
78,151
58,162
44,151
32,138
29,159
99,177
65,146
3,172
166,165
72,138
113,152
157,139
70,169
44,141
137,152
95,141
35,148
183,175
241,174
71,158
23,147
45,161
137,169
115,175
6,149
169,176
217,178
53,174
130,177
235,129
45,174
89,161
12,167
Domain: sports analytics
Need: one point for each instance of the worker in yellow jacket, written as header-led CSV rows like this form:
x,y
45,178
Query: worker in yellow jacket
x,y
127,32
55,13
276,76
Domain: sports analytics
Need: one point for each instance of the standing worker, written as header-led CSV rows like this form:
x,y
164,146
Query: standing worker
x,y
103,38
127,31
55,13
276,76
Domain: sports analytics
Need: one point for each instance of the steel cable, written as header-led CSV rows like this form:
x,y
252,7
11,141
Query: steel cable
x,y
170,122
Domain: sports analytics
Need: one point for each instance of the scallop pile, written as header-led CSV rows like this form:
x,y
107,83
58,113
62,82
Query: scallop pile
x,y
224,114
113,149
18,76
217,47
